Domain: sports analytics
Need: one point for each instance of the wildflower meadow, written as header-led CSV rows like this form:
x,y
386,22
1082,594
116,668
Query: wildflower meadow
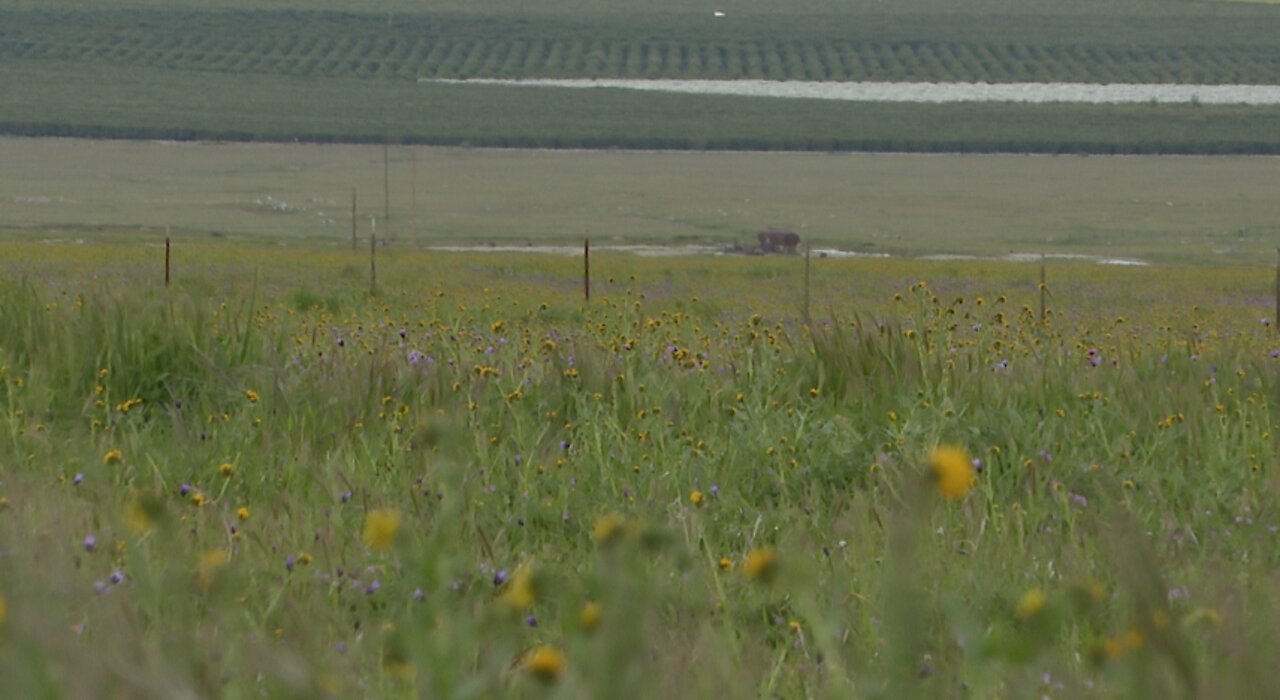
x,y
274,479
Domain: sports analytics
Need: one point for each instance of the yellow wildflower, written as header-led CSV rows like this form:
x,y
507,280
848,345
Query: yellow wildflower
x,y
953,471
251,395
380,528
589,618
227,469
242,513
113,457
139,515
398,668
207,568
520,592
305,559
607,529
1030,605
761,564
725,563
545,663
1209,616
128,405
696,498
1132,640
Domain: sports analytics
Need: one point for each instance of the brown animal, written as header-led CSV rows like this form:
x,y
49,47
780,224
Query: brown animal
x,y
774,240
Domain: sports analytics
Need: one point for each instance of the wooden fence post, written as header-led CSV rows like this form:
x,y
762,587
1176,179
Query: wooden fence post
x,y
1043,290
166,256
386,190
807,318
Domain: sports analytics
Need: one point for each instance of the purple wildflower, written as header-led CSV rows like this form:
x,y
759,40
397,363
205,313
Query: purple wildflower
x,y
90,543
500,577
184,490
531,621
373,587
75,480
345,496
117,577
289,562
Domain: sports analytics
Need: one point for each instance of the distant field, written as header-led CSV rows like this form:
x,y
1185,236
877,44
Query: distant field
x,y
1170,209
332,71
845,46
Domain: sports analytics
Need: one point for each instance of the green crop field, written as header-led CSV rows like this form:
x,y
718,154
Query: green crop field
x,y
1188,210
335,71
267,481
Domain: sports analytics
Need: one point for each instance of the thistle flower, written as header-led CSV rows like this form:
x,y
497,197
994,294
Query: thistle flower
x,y
953,471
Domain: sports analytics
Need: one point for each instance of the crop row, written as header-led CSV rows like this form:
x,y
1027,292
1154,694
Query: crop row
x,y
408,56
75,99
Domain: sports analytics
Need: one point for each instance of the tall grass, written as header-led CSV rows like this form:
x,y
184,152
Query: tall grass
x,y
474,484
